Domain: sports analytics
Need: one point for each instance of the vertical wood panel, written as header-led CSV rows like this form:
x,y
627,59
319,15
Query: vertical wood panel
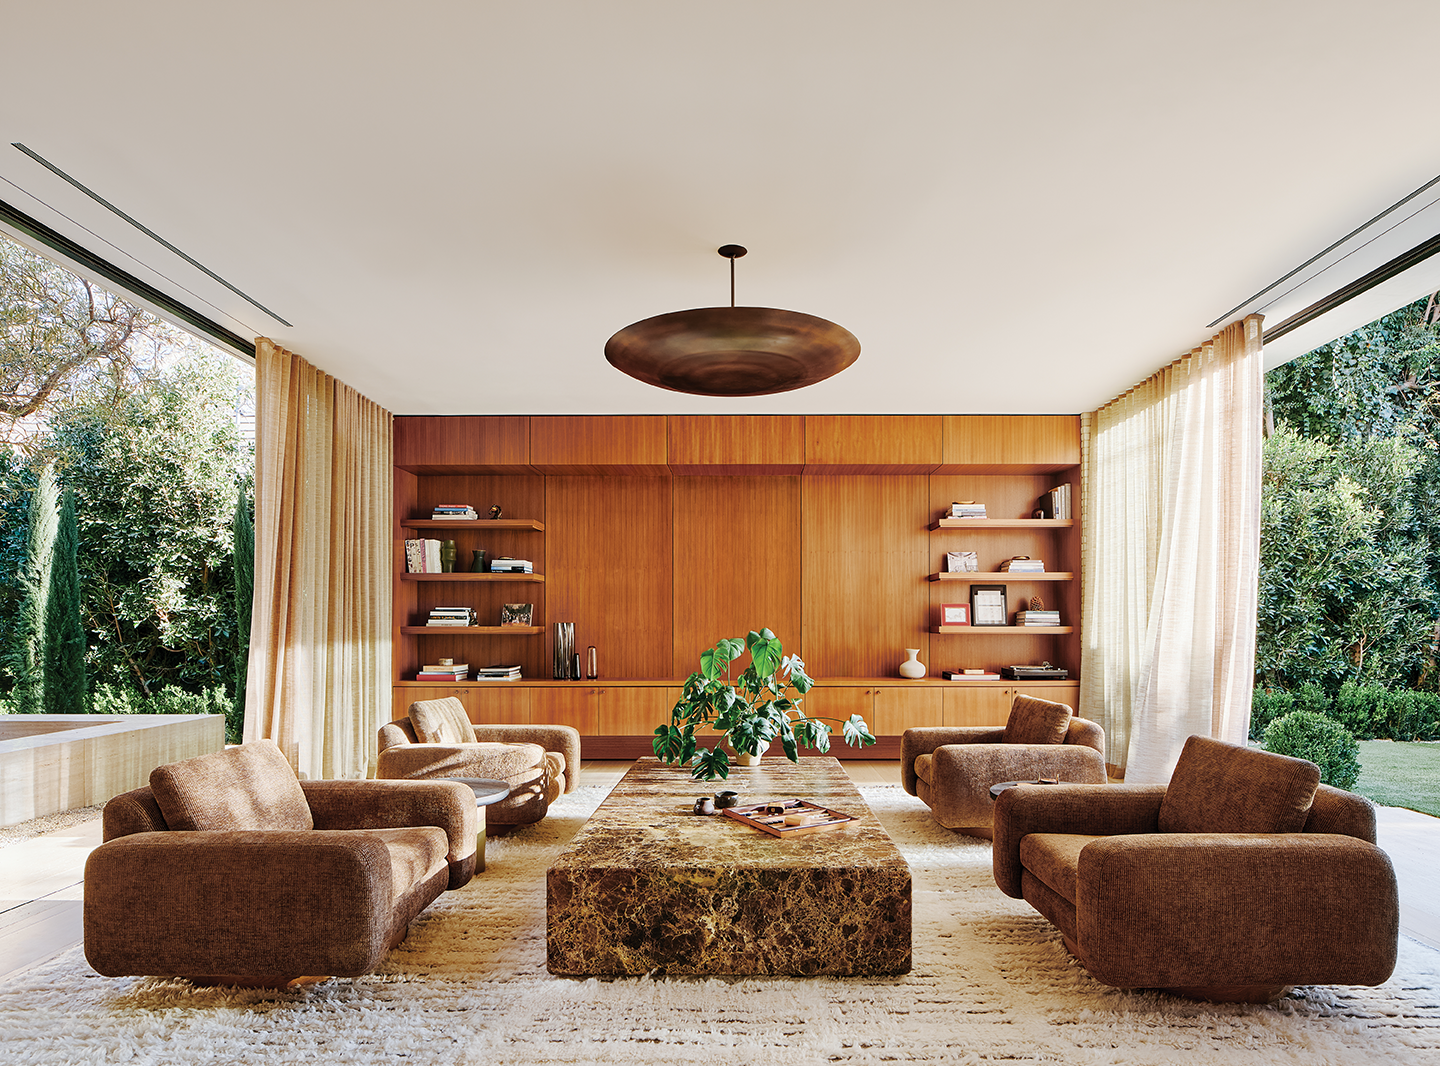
x,y
737,562
872,444
865,544
898,709
598,444
499,703
736,444
572,705
633,712
1022,443
977,705
609,558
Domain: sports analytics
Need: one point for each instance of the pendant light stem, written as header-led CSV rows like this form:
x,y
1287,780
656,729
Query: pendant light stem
x,y
732,282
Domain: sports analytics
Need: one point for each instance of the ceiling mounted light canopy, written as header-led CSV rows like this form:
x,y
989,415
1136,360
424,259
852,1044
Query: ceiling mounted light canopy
x,y
732,351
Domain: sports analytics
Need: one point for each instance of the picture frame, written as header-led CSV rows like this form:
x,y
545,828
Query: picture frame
x,y
960,561
517,614
954,614
988,606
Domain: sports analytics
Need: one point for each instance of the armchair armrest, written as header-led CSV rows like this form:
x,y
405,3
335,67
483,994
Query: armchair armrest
x,y
254,902
559,738
1089,810
1262,909
448,805
923,740
961,775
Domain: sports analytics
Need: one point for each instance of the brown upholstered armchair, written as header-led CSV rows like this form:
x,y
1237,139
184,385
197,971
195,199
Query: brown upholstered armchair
x,y
226,869
538,762
1238,879
952,768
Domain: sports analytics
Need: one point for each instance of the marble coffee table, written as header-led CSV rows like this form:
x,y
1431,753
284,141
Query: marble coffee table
x,y
649,887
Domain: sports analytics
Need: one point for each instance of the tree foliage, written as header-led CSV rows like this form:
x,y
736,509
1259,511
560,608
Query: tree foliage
x,y
26,654
1350,537
66,687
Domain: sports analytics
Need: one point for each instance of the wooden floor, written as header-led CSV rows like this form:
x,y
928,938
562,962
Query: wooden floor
x,y
41,879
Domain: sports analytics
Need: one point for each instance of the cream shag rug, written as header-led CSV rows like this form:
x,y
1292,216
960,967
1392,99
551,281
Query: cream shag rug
x,y
990,982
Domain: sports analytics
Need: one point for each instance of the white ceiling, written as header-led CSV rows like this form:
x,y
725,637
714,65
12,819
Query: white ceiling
x,y
1015,207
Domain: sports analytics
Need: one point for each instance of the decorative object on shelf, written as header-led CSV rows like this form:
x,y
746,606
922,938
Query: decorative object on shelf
x,y
495,511
575,666
959,562
760,706
1036,604
477,562
590,668
954,614
912,667
1044,672
564,649
732,351
987,605
447,556
516,614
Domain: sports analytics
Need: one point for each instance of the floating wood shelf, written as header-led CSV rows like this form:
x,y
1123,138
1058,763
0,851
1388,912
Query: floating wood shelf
x,y
508,631
472,577
991,631
1003,575
473,523
1002,523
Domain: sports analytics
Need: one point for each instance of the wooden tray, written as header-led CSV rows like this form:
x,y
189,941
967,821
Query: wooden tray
x,y
755,817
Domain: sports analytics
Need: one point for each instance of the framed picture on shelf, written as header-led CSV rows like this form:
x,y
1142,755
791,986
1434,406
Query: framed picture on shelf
x,y
954,614
516,614
959,561
987,605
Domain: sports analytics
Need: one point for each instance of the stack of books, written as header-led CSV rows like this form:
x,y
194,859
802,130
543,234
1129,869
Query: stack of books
x,y
455,672
969,675
1023,566
1056,502
498,673
1037,618
451,616
507,565
967,509
422,557
457,511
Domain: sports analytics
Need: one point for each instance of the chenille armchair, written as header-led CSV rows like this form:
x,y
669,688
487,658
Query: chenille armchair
x,y
538,762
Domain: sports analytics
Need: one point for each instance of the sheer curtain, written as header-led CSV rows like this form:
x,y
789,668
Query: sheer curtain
x,y
320,631
1170,547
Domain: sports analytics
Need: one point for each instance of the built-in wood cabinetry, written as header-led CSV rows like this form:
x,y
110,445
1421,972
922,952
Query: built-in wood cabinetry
x,y
658,535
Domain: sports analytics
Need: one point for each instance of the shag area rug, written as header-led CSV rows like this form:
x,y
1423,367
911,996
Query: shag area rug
x,y
991,982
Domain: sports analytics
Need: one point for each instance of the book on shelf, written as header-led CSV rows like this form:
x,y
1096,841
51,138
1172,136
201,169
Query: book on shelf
x,y
1037,618
967,509
454,511
507,565
498,673
422,556
451,616
1056,502
969,675
433,675
1021,565
443,668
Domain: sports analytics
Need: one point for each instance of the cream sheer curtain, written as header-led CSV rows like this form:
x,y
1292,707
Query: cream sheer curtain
x,y
1170,547
320,631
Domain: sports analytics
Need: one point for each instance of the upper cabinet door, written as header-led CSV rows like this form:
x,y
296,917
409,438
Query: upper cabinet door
x,y
737,445
872,444
1010,444
598,444
462,444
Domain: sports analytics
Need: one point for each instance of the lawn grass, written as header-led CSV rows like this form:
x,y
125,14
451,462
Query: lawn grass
x,y
1400,775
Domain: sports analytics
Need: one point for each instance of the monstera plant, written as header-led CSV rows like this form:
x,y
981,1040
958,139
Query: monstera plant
x,y
752,711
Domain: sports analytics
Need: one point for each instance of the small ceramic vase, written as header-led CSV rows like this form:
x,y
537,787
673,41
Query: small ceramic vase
x,y
447,556
912,667
477,562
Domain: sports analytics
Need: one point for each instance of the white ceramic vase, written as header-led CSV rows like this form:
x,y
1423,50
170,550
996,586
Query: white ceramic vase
x,y
912,667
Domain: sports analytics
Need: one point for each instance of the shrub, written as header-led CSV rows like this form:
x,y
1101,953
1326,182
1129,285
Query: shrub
x,y
1322,740
1267,705
113,699
1360,709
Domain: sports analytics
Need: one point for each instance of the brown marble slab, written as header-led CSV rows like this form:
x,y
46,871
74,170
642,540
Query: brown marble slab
x,y
649,887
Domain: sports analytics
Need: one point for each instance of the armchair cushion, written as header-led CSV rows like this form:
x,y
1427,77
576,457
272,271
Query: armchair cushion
x,y
1035,721
247,787
441,721
1223,788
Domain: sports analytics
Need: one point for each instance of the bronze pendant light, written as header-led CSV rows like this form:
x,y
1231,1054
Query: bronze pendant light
x,y
732,351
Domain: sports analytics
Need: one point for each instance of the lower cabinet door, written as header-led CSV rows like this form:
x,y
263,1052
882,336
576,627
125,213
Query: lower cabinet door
x,y
500,703
898,709
1067,694
977,705
572,705
634,712
835,705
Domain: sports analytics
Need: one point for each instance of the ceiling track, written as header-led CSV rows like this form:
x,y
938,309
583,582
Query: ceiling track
x,y
124,281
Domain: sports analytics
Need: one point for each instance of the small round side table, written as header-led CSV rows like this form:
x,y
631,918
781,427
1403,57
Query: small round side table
x,y
487,791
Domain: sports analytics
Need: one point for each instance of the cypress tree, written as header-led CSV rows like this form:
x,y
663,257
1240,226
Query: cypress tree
x,y
67,689
29,693
244,531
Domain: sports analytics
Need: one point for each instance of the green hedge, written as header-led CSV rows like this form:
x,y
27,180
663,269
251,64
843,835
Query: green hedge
x,y
1324,741
1369,712
112,699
